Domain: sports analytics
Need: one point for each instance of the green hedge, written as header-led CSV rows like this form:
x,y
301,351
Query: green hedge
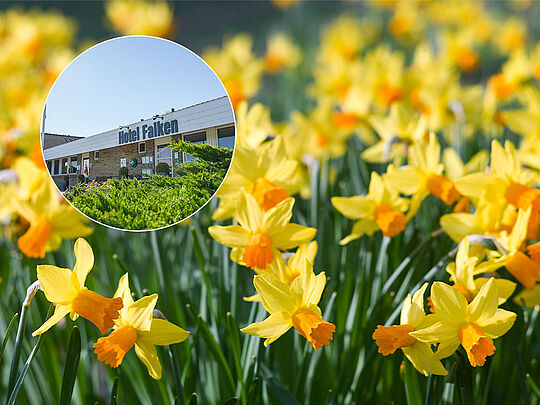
x,y
158,201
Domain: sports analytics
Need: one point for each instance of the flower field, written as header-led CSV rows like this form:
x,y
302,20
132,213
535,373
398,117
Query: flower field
x,y
375,240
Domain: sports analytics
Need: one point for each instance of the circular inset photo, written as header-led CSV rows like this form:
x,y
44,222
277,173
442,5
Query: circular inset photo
x,y
138,133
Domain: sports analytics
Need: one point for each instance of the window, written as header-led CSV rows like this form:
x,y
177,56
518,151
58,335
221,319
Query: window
x,y
49,166
146,172
64,166
226,137
73,168
96,155
198,139
142,147
56,167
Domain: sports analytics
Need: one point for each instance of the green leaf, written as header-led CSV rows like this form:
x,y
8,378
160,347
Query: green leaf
x,y
22,376
193,400
114,391
8,333
231,401
17,350
412,389
72,364
282,394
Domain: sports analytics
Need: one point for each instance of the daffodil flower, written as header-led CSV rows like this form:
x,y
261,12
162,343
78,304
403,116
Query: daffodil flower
x,y
136,327
521,266
292,306
391,338
381,208
266,172
423,175
463,270
66,289
50,218
287,272
473,326
260,236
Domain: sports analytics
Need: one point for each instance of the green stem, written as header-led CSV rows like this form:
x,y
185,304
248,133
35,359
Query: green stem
x,y
18,346
177,376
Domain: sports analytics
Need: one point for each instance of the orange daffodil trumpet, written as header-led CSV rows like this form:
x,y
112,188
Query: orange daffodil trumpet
x,y
135,327
413,317
66,289
292,306
261,235
473,326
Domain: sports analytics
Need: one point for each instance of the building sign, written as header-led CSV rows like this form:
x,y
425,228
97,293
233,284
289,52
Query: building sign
x,y
133,163
142,132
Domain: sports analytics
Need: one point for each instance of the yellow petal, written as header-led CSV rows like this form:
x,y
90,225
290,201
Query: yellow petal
x,y
123,291
69,223
139,314
248,213
291,236
412,312
278,216
270,329
85,260
359,229
519,231
232,235
407,180
423,359
438,332
146,352
473,185
459,225
59,312
56,283
498,324
163,333
531,298
353,207
376,188
449,304
485,303
447,348
505,288
274,294
453,164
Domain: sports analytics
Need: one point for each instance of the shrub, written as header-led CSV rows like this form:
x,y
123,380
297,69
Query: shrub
x,y
163,167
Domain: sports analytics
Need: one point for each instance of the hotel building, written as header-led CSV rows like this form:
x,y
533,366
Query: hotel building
x,y
139,146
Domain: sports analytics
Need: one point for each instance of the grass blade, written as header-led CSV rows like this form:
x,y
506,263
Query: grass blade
x,y
8,333
72,364
17,350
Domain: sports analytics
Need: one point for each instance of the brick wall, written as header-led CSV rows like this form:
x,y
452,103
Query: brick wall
x,y
108,163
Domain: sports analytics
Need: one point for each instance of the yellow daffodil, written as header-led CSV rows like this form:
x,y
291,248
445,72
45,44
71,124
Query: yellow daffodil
x,y
521,266
281,53
292,306
473,326
135,326
66,289
381,208
463,270
237,67
413,317
396,131
140,18
50,218
424,175
288,271
266,172
261,235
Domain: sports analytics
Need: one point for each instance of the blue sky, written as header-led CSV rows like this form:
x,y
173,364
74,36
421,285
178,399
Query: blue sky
x,y
120,81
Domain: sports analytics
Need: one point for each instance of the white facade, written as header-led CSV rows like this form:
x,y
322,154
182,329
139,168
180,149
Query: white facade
x,y
208,114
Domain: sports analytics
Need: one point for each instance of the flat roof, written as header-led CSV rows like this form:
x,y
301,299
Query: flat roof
x,y
207,114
